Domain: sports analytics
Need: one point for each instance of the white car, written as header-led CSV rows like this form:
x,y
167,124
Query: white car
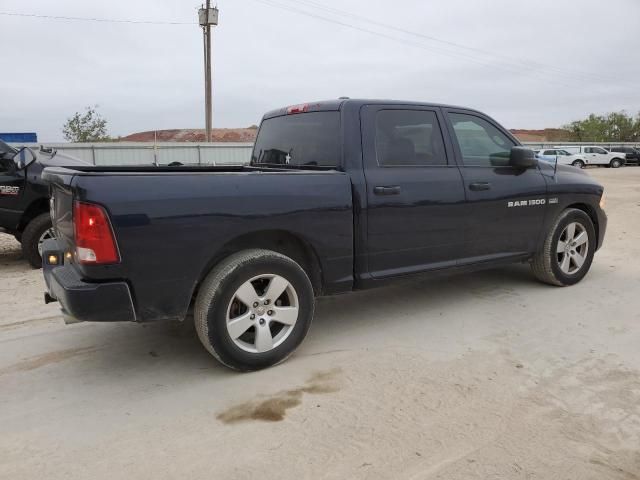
x,y
562,157
594,155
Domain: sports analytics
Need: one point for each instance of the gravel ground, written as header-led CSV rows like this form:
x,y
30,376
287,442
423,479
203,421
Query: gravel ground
x,y
488,375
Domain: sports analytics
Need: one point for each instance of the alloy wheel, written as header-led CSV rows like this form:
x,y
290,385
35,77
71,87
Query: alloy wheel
x,y
47,235
572,248
262,313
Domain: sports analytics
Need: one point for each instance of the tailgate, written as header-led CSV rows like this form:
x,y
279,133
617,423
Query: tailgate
x,y
61,203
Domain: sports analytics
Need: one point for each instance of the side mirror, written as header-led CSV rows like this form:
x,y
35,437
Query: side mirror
x,y
24,158
522,157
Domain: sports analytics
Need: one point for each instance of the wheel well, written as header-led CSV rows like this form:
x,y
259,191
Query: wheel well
x,y
279,241
36,208
589,210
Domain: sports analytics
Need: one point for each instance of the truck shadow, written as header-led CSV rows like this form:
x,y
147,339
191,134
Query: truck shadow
x,y
156,352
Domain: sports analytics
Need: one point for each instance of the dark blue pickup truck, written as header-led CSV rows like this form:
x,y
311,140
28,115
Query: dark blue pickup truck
x,y
339,195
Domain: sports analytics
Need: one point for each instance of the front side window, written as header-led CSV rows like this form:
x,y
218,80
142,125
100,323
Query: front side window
x,y
407,138
481,143
311,139
601,151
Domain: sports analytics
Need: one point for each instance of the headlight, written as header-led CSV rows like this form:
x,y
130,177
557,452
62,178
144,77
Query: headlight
x,y
603,201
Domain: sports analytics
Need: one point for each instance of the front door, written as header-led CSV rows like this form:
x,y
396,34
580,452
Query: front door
x,y
415,195
11,190
505,205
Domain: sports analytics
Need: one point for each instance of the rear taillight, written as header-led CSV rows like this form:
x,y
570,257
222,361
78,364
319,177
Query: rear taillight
x,y
95,242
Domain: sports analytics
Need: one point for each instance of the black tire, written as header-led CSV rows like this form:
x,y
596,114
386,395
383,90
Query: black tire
x,y
616,163
31,236
578,164
217,293
545,264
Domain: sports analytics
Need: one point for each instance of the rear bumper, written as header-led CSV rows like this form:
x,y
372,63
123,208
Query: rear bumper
x,y
85,301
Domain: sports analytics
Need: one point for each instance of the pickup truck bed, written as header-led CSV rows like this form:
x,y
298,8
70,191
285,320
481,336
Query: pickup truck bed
x,y
183,220
339,195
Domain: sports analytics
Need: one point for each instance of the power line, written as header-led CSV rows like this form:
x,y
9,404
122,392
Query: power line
x,y
473,59
504,62
91,19
513,60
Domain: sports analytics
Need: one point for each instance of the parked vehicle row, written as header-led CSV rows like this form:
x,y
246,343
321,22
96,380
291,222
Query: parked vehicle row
x,y
583,155
340,195
632,154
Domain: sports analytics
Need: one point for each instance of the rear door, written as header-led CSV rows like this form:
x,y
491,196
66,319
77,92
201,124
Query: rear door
x,y
415,197
504,205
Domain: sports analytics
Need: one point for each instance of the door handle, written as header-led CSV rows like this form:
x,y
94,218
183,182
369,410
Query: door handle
x,y
394,190
478,186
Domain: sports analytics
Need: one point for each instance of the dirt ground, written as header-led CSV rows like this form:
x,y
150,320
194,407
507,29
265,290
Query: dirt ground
x,y
482,376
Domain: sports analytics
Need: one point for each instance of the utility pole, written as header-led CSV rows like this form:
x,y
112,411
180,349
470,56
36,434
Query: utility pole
x,y
207,16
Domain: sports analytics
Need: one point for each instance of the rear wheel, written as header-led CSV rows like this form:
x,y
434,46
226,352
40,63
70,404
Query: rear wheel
x,y
578,163
568,250
616,163
36,232
254,309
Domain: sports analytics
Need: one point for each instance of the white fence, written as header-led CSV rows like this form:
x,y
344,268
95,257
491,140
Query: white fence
x,y
143,153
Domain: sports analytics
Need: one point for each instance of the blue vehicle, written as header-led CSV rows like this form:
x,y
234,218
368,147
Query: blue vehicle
x,y
340,195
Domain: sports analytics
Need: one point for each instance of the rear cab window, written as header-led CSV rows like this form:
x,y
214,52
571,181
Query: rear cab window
x,y
303,139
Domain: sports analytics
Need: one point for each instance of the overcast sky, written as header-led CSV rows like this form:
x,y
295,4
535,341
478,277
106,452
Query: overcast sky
x,y
528,64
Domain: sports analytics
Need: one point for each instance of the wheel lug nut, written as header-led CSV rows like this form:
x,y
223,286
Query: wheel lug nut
x,y
261,321
266,302
255,304
270,312
252,317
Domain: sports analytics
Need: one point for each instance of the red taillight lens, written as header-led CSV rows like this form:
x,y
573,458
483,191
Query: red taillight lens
x,y
95,242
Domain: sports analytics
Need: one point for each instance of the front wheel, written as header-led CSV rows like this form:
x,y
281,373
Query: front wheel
x,y
33,237
568,250
616,163
254,309
578,164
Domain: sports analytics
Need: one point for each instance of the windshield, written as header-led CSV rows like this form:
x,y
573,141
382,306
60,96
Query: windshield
x,y
311,139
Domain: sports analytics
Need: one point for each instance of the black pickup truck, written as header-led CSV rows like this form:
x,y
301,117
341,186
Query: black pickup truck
x,y
24,196
339,195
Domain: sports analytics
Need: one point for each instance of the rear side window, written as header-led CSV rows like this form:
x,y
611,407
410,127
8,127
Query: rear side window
x,y
595,150
406,138
303,139
481,144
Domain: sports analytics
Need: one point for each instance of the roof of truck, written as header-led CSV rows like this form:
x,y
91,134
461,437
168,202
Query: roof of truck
x,y
339,103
